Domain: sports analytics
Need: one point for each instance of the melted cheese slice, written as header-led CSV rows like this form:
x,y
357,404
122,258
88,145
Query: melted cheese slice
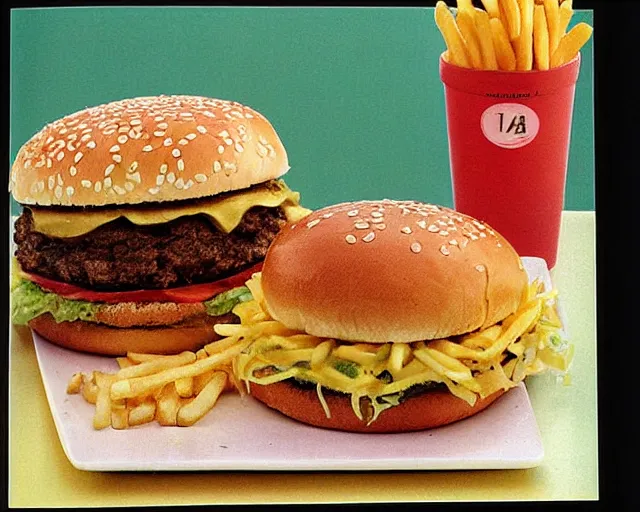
x,y
225,212
526,343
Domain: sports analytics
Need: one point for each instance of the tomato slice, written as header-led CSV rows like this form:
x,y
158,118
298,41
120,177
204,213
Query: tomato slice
x,y
191,293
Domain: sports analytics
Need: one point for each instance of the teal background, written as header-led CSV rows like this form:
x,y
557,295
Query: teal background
x,y
354,93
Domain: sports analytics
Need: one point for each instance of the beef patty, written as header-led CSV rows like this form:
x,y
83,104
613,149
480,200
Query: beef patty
x,y
123,256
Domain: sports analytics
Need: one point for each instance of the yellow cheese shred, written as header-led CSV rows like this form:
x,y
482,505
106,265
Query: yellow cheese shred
x,y
225,211
525,343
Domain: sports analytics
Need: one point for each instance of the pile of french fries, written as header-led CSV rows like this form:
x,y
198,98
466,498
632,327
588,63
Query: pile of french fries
x,y
175,390
511,35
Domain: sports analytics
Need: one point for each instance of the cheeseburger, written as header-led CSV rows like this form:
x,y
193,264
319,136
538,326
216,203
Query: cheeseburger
x,y
142,219
387,316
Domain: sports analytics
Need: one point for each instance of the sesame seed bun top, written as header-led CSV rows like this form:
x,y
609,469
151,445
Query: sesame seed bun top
x,y
401,271
147,149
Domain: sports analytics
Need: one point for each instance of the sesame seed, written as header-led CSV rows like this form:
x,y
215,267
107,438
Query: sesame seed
x,y
160,179
133,167
60,156
208,114
153,191
49,140
85,183
134,177
262,140
108,132
119,190
70,191
159,133
376,214
158,118
377,220
147,148
98,186
91,145
135,122
369,237
123,129
58,192
122,139
109,169
190,136
163,126
216,166
480,268
422,224
444,250
416,247
164,168
73,170
444,233
499,244
201,129
63,131
433,228
129,186
313,223
183,142
350,239
464,243
483,235
248,115
181,165
361,225
117,158
453,242
327,215
59,179
380,226
239,147
175,152
186,114
171,177
179,184
220,149
406,230
228,142
167,142
27,164
41,186
352,213
132,134
70,146
200,178
49,163
52,182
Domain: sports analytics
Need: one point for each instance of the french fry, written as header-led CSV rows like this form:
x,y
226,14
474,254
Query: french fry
x,y
89,388
124,362
571,43
128,388
156,365
457,51
218,346
510,15
168,405
524,44
485,41
320,353
142,413
102,414
564,17
189,413
540,38
464,5
200,381
492,8
119,414
184,387
552,12
504,52
75,384
467,28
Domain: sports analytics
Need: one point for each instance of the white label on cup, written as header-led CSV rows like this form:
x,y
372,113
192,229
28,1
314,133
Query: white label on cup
x,y
510,125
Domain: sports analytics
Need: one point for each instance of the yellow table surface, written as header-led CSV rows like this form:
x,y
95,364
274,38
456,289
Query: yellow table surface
x,y
40,474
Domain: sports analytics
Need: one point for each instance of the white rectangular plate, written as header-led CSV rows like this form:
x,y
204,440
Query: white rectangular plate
x,y
242,434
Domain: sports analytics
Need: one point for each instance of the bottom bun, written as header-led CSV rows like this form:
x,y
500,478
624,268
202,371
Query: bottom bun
x,y
428,410
115,341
